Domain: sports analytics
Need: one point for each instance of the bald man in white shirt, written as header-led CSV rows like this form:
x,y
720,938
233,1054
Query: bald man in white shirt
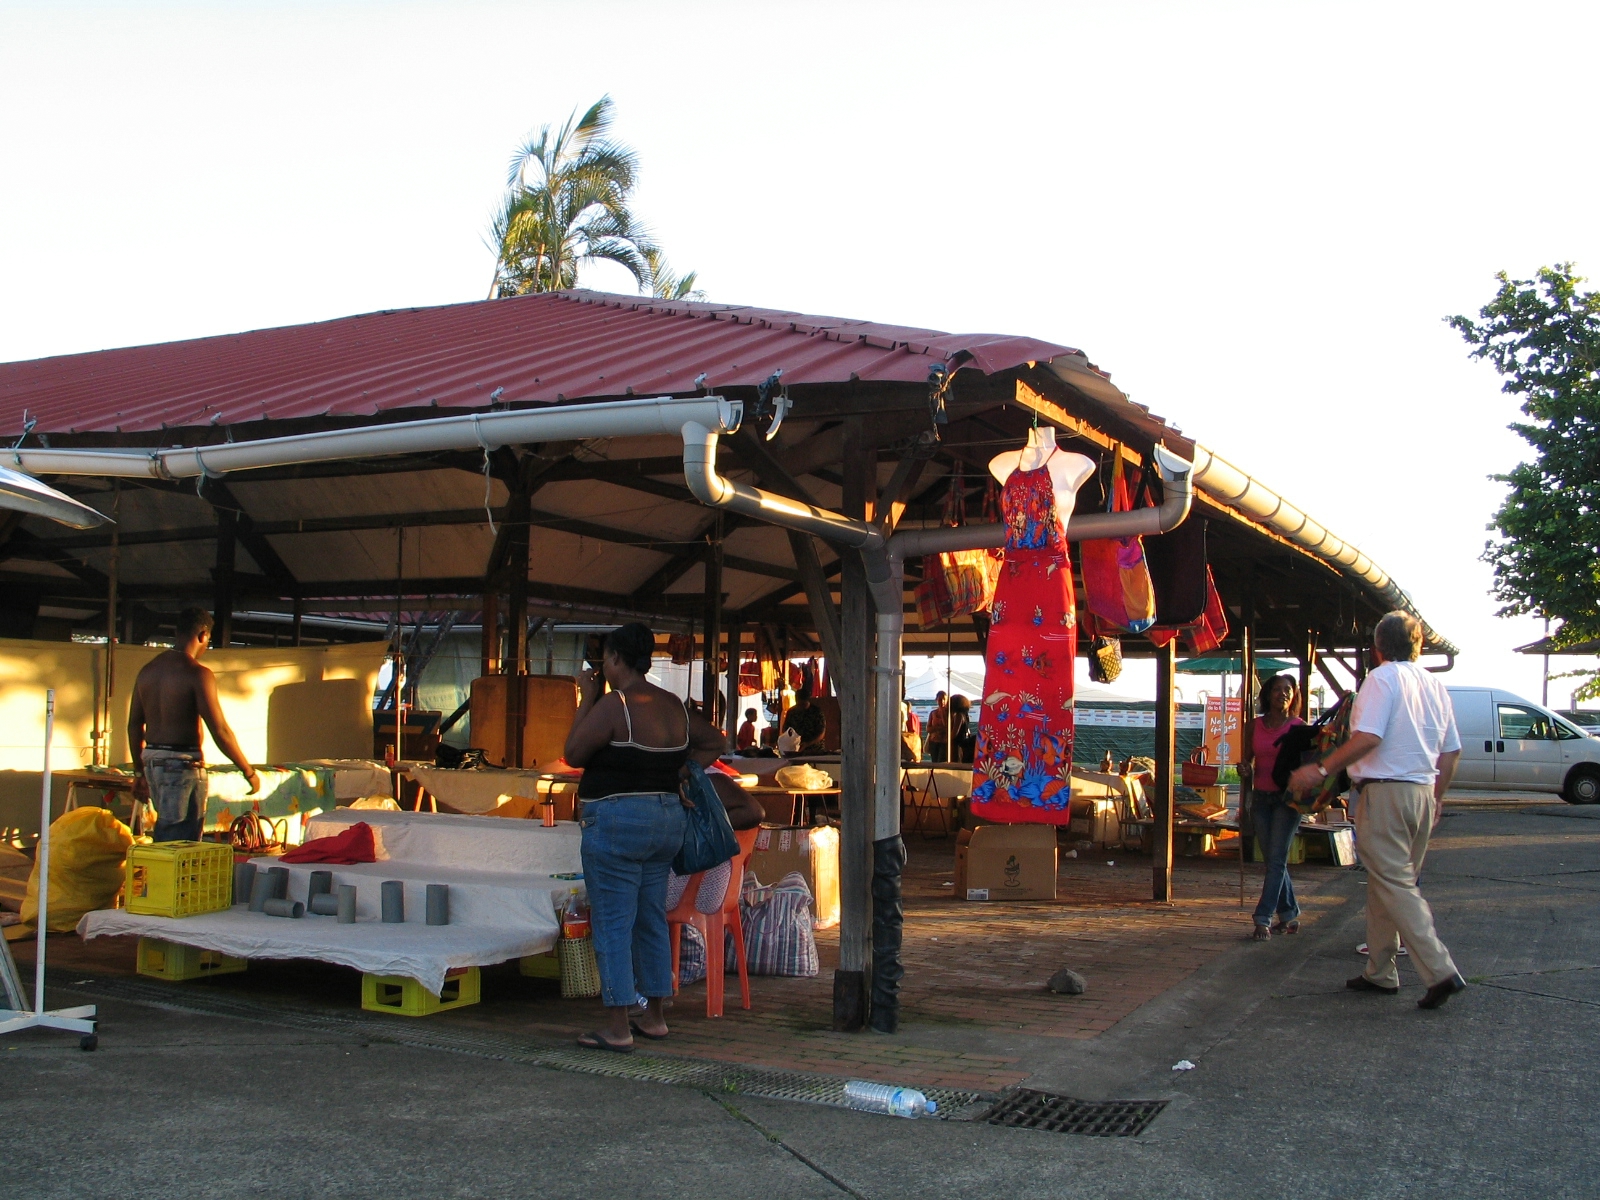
x,y
1401,756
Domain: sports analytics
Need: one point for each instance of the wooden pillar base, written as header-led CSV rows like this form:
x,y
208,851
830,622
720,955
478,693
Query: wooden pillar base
x,y
849,1001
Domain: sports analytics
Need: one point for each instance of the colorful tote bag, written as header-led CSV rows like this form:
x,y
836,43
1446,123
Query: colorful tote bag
x,y
1116,578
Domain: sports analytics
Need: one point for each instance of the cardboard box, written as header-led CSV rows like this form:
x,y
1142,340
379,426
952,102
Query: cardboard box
x,y
1006,862
813,853
1097,821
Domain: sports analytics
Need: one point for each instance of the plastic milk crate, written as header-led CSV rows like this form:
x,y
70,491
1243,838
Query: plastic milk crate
x,y
405,997
168,960
179,879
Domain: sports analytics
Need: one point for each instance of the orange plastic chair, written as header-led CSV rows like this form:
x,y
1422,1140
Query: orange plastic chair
x,y
711,926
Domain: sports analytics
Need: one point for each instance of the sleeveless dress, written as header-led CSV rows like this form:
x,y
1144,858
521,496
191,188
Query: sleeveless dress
x,y
1022,769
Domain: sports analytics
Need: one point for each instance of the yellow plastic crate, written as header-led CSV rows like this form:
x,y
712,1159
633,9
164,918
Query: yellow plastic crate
x,y
169,960
540,966
179,879
405,997
1297,851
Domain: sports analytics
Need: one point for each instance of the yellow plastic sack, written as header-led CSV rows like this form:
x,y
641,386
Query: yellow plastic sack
x,y
88,847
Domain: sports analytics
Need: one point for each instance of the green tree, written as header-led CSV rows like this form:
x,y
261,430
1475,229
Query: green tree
x,y
566,203
1543,336
665,284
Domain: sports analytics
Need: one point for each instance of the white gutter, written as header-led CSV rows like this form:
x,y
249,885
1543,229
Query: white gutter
x,y
1228,485
486,430
24,493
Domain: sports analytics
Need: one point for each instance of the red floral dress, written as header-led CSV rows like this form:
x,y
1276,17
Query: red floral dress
x,y
1022,769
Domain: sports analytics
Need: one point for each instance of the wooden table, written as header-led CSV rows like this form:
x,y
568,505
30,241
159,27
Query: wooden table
x,y
799,806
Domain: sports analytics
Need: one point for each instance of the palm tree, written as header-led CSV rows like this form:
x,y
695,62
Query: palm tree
x,y
566,202
666,285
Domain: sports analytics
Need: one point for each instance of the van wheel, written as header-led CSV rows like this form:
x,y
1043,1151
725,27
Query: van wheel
x,y
1583,786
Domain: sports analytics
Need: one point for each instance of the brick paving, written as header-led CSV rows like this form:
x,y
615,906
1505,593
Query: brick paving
x,y
971,968
978,967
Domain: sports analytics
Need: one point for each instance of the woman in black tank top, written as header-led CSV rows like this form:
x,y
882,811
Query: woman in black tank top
x,y
632,743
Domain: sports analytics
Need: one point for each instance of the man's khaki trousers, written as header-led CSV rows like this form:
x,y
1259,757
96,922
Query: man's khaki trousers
x,y
1393,821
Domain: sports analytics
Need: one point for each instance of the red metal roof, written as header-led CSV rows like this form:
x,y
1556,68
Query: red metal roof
x,y
543,348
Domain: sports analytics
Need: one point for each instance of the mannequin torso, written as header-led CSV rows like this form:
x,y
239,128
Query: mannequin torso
x,y
1067,470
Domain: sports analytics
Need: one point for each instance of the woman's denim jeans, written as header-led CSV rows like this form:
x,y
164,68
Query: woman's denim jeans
x,y
1276,824
628,844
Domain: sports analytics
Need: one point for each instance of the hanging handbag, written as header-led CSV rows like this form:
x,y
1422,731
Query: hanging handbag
x,y
1196,773
708,839
1211,630
957,582
1116,579
1177,563
1105,653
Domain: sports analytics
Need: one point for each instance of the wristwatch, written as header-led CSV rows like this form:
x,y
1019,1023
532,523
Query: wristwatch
x,y
1321,770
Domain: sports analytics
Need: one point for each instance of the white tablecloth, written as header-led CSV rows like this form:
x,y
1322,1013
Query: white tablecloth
x,y
414,949
457,842
480,791
354,778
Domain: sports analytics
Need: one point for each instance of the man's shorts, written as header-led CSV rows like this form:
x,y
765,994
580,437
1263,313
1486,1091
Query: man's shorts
x,y
177,780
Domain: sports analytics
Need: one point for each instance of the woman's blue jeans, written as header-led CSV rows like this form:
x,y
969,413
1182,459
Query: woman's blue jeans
x,y
628,844
1276,824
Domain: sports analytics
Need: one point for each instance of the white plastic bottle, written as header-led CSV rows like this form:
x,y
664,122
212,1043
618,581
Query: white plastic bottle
x,y
887,1099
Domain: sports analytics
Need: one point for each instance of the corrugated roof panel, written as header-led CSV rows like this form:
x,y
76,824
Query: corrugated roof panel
x,y
538,349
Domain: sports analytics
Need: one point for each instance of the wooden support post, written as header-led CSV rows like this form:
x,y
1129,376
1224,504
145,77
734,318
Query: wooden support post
x,y
1166,749
1247,725
517,517
222,604
853,676
713,621
731,713
1308,657
490,664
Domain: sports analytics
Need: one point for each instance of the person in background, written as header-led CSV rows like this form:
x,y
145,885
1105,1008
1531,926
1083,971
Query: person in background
x,y
1275,821
963,739
632,743
171,696
809,725
938,726
747,731
911,735
1401,755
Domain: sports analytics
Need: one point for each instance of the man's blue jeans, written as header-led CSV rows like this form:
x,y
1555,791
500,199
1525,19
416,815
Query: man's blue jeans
x,y
1276,824
178,790
628,844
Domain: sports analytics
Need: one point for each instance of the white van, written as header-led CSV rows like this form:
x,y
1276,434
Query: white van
x,y
1511,743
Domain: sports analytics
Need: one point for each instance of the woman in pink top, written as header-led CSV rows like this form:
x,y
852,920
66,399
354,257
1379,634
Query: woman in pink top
x,y
1275,822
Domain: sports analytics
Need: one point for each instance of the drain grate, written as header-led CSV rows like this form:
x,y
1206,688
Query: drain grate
x,y
1027,1109
701,1074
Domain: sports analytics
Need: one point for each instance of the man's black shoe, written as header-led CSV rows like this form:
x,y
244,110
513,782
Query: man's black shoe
x,y
1442,991
1362,984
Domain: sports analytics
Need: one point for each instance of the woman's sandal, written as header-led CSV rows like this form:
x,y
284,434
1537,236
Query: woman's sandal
x,y
597,1041
1287,927
1262,933
639,1031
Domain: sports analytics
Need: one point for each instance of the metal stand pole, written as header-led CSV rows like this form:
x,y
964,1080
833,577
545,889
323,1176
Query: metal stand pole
x,y
78,1020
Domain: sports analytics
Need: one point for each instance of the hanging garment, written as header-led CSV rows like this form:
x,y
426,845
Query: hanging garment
x,y
1022,768
1116,581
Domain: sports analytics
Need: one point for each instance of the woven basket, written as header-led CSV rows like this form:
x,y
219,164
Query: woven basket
x,y
580,974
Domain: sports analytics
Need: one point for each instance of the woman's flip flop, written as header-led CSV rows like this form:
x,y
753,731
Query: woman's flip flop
x,y
594,1041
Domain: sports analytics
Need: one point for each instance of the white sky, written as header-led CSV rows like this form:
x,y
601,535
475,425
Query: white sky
x,y
1254,215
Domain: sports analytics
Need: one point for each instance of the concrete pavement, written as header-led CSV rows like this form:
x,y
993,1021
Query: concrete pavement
x,y
1301,1088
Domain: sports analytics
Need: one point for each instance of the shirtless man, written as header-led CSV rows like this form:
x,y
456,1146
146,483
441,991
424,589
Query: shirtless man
x,y
172,695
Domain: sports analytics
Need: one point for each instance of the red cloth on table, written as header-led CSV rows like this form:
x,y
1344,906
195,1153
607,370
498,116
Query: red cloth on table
x,y
353,845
